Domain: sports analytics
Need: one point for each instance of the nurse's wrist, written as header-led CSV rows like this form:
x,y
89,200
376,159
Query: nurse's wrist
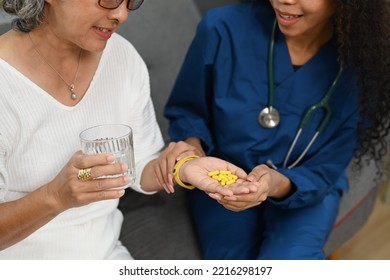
x,y
197,143
283,187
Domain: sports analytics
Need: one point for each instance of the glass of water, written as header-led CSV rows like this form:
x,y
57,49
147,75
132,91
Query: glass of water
x,y
115,139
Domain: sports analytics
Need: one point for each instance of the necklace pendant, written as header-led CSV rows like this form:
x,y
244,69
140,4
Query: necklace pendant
x,y
73,93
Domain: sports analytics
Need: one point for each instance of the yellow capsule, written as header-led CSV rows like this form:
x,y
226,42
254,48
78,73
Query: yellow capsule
x,y
230,182
224,177
212,173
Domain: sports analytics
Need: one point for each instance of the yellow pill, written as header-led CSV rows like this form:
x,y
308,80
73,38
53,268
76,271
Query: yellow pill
x,y
212,173
230,182
224,177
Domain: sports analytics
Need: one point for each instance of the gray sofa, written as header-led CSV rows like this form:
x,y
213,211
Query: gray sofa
x,y
159,226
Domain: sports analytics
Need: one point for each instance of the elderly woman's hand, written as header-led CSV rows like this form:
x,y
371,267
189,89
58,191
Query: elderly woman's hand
x,y
68,190
166,161
195,172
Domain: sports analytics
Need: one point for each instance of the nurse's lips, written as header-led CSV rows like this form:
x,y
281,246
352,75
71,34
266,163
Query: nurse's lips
x,y
289,16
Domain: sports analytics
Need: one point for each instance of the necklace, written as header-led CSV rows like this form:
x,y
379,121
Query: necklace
x,y
73,94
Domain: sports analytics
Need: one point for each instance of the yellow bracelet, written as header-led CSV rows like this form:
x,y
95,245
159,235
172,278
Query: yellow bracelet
x,y
176,171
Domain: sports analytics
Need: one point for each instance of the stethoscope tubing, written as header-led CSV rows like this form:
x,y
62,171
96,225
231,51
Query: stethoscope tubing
x,y
323,104
292,146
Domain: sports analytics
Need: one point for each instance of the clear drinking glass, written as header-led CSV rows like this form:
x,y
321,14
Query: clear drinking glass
x,y
115,139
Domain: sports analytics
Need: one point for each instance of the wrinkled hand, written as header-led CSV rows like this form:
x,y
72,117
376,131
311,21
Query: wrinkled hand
x,y
195,172
68,191
167,159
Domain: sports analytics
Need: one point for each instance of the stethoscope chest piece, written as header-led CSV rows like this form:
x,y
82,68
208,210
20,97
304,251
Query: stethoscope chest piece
x,y
269,117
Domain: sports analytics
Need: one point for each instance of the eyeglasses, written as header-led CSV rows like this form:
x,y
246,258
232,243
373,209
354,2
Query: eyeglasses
x,y
113,4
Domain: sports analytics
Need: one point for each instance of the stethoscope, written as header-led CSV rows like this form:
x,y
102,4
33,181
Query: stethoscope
x,y
269,117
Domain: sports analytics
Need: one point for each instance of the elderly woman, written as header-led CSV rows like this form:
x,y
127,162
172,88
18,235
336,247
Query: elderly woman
x,y
63,69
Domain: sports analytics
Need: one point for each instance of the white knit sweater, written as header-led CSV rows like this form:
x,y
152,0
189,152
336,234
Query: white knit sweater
x,y
38,135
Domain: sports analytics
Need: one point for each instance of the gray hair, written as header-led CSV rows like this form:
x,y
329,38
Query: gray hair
x,y
29,13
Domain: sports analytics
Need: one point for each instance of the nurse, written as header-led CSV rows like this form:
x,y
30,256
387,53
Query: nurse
x,y
250,76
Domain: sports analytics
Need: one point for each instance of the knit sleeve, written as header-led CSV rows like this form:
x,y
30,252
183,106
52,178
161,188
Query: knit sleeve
x,y
3,171
148,141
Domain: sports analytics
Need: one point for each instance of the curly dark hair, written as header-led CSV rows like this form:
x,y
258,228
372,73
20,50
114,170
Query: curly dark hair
x,y
362,28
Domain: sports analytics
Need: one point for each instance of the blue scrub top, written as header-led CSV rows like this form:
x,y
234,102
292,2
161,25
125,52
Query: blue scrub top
x,y
223,85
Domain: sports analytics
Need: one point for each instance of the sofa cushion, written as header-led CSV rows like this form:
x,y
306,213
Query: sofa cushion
x,y
159,226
